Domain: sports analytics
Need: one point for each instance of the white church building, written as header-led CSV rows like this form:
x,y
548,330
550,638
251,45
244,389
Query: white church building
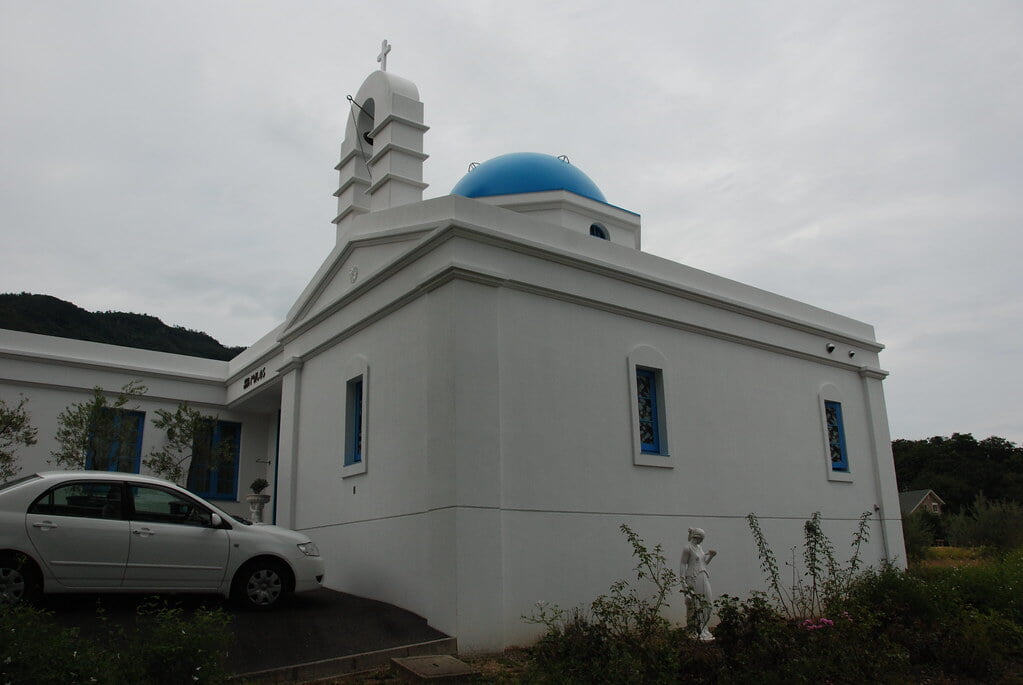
x,y
475,391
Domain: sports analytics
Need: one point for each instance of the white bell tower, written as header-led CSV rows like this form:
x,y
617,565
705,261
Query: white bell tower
x,y
382,154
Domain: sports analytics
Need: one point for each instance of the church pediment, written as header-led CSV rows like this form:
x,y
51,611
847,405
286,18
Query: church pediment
x,y
346,269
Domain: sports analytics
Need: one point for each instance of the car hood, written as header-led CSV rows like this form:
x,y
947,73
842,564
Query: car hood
x,y
284,534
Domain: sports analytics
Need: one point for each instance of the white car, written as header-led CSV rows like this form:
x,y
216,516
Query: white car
x,y
96,531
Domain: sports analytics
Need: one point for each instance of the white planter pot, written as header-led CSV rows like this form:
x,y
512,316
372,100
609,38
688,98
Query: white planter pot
x,y
256,504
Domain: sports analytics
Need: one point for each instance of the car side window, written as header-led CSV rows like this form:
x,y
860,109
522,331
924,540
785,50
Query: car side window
x,y
97,500
157,505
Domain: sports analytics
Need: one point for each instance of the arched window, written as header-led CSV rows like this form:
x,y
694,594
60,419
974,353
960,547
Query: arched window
x,y
598,231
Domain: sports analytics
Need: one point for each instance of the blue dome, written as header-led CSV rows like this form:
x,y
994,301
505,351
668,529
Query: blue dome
x,y
526,172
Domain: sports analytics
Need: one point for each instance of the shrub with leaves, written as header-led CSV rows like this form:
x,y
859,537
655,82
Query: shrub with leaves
x,y
178,648
622,638
806,632
930,617
918,534
16,430
837,623
95,428
823,579
186,431
33,649
167,647
988,523
760,644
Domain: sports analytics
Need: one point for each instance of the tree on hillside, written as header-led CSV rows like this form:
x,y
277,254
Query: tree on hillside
x,y
16,430
960,467
100,434
188,444
48,315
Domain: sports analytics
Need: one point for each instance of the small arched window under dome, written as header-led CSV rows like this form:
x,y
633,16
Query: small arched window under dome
x,y
598,231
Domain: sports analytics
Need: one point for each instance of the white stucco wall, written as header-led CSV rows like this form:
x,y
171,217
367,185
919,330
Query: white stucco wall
x,y
500,460
500,457
744,434
54,373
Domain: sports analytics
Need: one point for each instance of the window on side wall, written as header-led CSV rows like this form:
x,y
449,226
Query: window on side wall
x,y
213,471
646,407
836,445
648,404
355,451
353,421
120,444
836,436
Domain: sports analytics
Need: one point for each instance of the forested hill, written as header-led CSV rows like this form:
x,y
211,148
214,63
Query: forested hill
x,y
52,316
960,467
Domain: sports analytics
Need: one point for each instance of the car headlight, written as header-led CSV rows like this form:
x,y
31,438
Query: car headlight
x,y
309,549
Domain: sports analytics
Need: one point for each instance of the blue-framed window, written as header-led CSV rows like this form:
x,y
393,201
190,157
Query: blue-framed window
x,y
213,471
647,406
123,452
353,421
598,231
836,436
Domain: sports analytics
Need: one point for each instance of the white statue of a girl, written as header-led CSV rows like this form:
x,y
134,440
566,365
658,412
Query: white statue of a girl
x,y
694,571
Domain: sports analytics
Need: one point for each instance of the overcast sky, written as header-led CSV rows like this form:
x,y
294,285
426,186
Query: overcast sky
x,y
176,158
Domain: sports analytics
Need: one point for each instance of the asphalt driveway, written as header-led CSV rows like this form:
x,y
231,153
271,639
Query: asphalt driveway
x,y
314,634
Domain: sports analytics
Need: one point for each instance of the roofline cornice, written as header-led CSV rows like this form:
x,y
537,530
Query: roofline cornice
x,y
480,234
453,228
93,365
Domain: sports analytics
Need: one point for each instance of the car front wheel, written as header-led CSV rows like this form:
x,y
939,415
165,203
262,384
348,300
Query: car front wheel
x,y
260,584
19,581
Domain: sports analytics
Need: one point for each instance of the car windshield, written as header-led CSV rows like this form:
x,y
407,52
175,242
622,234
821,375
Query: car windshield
x,y
241,519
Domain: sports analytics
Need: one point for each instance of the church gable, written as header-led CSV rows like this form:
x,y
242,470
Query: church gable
x,y
345,271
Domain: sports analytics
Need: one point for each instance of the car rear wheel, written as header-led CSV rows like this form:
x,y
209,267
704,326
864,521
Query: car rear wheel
x,y
19,580
261,584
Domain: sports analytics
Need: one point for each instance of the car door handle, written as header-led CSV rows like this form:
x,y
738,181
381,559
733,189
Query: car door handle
x,y
45,525
144,532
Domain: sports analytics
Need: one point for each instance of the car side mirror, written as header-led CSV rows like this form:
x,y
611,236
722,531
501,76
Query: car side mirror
x,y
216,521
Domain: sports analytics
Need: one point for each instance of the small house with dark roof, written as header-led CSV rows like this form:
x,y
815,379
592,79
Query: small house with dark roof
x,y
913,501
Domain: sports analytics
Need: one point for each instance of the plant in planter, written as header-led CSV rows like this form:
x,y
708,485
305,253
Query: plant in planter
x,y
257,500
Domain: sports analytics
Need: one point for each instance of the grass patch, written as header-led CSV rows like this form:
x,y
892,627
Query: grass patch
x,y
956,553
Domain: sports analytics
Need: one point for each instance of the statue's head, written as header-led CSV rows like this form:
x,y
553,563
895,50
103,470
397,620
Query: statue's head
x,y
696,535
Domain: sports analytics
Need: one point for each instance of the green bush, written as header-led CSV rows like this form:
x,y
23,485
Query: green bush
x,y
838,624
995,585
34,650
177,648
760,644
622,638
824,579
583,650
166,647
988,523
919,535
929,616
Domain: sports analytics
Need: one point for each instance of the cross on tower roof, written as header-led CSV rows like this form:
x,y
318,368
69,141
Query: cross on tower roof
x,y
382,57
